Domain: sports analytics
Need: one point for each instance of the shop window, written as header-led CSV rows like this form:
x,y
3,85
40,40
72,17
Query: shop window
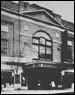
x,y
69,50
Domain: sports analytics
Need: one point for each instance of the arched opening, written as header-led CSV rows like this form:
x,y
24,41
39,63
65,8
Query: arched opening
x,y
42,42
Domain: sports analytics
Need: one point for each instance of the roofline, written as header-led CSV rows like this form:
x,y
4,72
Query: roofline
x,y
26,16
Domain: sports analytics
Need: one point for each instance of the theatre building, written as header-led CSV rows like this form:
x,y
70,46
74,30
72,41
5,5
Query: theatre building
x,y
36,46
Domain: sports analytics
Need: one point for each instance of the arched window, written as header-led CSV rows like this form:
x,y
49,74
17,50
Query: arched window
x,y
42,42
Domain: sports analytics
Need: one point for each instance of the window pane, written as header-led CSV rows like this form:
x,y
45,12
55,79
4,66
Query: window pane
x,y
4,46
3,43
48,43
42,50
35,41
42,41
48,50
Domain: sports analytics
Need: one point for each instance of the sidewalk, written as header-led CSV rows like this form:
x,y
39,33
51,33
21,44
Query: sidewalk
x,y
24,91
12,88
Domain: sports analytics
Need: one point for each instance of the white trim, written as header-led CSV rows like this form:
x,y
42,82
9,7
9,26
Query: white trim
x,y
8,9
32,21
5,67
31,11
6,59
14,59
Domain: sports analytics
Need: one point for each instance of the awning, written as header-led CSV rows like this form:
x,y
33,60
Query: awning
x,y
62,66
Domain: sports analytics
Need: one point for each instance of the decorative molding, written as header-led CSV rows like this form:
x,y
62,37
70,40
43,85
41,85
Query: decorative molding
x,y
32,21
13,59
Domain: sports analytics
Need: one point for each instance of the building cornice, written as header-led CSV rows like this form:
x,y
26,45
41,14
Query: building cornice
x,y
42,10
17,15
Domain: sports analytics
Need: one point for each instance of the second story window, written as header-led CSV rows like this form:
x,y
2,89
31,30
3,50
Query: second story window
x,y
4,39
43,42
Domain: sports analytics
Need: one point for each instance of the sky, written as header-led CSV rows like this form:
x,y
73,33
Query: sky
x,y
63,8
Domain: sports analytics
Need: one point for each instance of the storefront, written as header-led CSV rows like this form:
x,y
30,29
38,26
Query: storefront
x,y
45,75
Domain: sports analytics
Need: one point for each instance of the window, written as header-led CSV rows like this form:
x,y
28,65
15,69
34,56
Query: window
x,y
4,39
42,50
4,47
69,50
35,41
43,42
48,43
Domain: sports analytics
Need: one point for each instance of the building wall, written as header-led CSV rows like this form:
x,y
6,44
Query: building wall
x,y
27,29
13,34
32,28
13,45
